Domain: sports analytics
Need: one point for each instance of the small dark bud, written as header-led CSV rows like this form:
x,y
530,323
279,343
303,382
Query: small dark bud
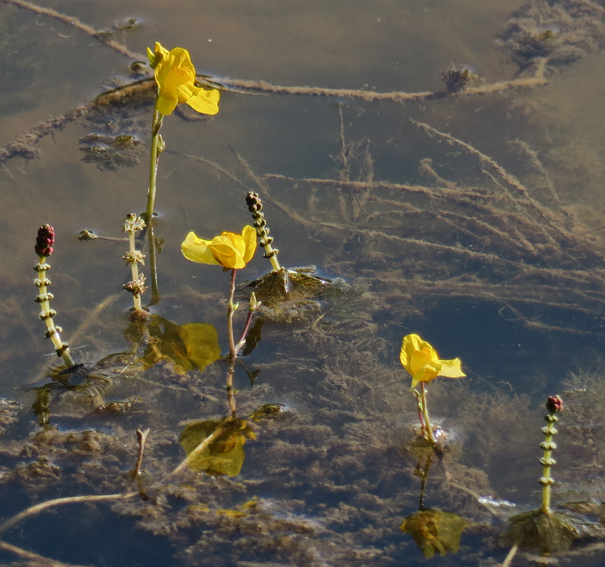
x,y
45,240
554,404
253,201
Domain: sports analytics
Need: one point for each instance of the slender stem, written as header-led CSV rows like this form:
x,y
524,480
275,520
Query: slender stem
x,y
47,314
153,170
547,461
272,257
153,264
153,174
33,558
425,413
425,474
232,350
230,312
134,269
58,502
142,438
242,339
419,405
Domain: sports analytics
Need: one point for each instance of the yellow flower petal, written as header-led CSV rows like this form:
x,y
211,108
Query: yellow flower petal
x,y
229,250
421,361
205,101
249,237
175,77
197,250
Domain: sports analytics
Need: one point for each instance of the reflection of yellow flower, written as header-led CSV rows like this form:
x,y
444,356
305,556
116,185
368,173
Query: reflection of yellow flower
x,y
188,347
435,531
175,76
224,454
420,359
228,250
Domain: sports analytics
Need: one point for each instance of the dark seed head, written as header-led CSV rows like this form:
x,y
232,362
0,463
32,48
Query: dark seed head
x,y
554,404
45,240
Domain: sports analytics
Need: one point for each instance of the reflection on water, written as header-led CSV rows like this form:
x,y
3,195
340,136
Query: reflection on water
x,y
471,215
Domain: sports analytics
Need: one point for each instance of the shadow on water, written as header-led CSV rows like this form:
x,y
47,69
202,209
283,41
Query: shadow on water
x,y
468,212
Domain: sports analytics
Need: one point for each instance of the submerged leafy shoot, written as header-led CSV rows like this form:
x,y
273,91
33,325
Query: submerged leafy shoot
x,y
549,532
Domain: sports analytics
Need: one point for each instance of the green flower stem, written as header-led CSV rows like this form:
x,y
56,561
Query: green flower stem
x,y
47,314
428,429
155,152
153,265
548,445
254,305
231,307
156,149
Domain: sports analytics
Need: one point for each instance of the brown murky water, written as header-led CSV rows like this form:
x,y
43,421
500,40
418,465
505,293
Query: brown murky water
x,y
473,217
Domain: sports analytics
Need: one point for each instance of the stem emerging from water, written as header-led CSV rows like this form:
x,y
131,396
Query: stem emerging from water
x,y
231,307
156,149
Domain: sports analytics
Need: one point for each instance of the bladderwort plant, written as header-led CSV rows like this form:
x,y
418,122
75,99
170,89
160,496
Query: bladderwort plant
x,y
421,361
546,529
232,252
175,78
176,81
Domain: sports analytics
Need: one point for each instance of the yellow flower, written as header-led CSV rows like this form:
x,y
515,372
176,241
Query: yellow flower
x,y
175,76
228,250
422,362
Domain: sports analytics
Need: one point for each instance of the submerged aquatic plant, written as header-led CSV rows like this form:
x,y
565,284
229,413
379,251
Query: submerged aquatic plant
x,y
423,364
457,78
280,282
44,248
543,528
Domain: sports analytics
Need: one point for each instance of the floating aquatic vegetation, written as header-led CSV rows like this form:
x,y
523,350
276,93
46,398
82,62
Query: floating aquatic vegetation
x,y
280,284
457,78
559,32
111,152
544,529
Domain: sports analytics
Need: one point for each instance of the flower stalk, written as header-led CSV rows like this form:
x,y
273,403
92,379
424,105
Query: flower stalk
x,y
234,347
554,404
44,248
157,146
423,414
423,364
262,230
